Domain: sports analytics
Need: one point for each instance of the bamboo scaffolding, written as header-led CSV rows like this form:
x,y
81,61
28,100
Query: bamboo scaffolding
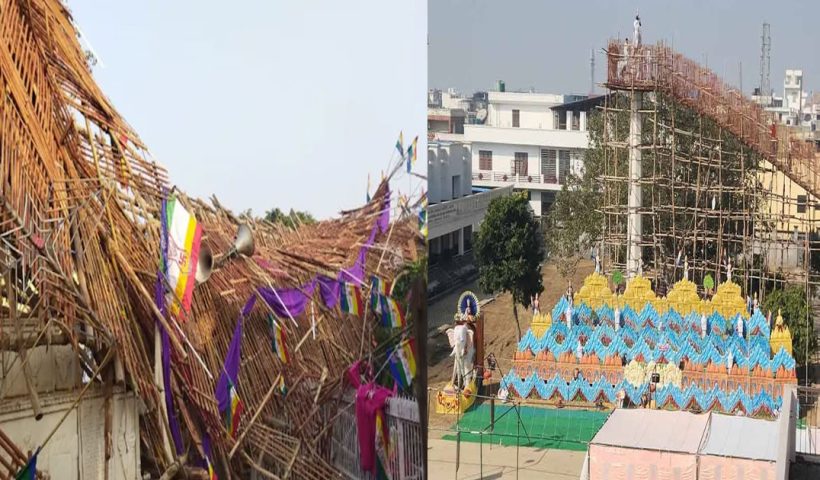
x,y
79,231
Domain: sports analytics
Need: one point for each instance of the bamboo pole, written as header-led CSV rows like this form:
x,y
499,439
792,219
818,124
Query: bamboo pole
x,y
255,415
126,267
79,397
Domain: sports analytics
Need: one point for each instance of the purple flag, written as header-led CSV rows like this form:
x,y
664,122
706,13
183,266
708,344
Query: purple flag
x,y
293,301
230,371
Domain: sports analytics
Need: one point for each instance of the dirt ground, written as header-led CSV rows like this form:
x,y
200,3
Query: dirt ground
x,y
500,334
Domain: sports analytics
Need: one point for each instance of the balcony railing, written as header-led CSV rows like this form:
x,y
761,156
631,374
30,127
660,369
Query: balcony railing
x,y
506,177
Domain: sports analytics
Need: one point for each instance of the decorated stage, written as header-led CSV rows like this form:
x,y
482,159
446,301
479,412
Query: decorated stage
x,y
673,352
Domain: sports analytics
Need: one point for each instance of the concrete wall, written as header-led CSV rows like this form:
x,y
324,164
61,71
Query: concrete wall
x,y
77,449
53,368
787,422
530,116
444,162
448,217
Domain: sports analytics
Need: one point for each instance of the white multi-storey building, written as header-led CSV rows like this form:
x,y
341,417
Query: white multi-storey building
x,y
530,141
796,107
455,211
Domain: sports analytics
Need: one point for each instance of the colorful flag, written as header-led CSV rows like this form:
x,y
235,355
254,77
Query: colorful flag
x,y
184,235
227,396
409,356
400,144
29,472
382,447
423,229
403,362
351,299
211,473
282,388
280,347
234,412
368,188
412,154
378,287
392,315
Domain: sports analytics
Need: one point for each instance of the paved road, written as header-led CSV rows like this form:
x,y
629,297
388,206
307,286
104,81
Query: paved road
x,y
499,462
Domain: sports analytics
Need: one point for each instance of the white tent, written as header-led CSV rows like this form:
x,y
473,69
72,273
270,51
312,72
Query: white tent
x,y
641,444
738,448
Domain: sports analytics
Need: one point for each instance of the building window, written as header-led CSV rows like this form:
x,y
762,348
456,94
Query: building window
x,y
801,204
485,160
516,118
468,238
563,166
548,162
519,166
560,120
576,120
454,242
456,186
817,206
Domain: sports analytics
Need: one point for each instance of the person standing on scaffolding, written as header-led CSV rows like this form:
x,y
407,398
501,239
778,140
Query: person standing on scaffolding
x,y
636,47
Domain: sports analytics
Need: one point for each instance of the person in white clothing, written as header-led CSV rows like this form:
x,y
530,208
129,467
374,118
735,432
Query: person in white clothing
x,y
703,325
636,31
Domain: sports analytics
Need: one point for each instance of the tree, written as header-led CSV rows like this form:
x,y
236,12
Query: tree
x,y
791,301
291,219
577,216
509,251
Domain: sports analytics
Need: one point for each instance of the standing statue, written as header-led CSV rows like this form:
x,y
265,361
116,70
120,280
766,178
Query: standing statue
x,y
617,316
739,326
597,260
728,269
568,315
461,339
703,325
686,267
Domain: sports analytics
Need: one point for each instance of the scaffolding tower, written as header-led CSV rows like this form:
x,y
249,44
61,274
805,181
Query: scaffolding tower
x,y
694,172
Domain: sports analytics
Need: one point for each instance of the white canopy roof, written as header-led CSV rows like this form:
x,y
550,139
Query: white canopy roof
x,y
685,432
741,437
653,430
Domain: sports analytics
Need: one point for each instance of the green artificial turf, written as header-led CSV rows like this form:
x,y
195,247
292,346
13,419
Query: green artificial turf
x,y
563,429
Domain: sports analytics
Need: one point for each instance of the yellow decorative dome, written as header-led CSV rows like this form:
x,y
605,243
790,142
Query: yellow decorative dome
x,y
595,291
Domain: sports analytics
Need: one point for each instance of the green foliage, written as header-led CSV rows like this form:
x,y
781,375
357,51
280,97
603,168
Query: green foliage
x,y
292,219
409,274
708,282
791,301
617,277
509,250
577,217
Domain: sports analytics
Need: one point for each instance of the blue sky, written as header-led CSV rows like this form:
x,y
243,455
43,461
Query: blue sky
x,y
266,104
546,45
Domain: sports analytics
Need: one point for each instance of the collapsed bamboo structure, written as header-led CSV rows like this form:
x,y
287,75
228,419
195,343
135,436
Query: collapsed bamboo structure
x,y
721,181
80,202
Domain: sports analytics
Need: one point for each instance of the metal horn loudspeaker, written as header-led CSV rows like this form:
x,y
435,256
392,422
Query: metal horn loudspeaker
x,y
204,265
243,242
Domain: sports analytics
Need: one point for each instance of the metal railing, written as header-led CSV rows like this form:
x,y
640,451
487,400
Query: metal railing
x,y
807,428
406,459
506,177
